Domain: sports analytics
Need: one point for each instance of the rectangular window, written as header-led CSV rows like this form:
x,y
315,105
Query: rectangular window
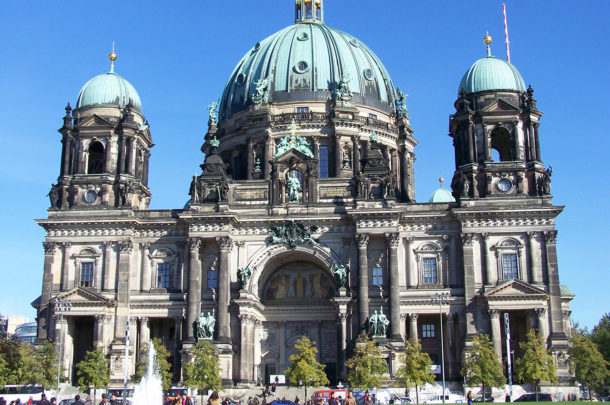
x,y
509,266
323,161
86,274
301,110
427,330
377,276
163,275
212,279
373,116
430,273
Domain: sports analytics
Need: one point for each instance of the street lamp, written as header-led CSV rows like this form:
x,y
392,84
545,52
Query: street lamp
x,y
440,299
60,308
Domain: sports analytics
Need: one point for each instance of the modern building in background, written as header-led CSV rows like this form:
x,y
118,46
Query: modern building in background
x,y
308,173
26,332
9,324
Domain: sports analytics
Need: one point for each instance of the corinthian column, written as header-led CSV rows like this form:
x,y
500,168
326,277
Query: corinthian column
x,y
194,291
496,336
44,316
146,270
225,245
392,240
363,280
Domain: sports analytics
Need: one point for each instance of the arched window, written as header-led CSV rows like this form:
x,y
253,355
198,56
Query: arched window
x,y
95,158
501,145
430,261
508,257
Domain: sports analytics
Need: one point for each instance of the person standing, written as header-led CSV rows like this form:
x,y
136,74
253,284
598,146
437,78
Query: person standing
x,y
77,400
350,400
331,400
43,400
469,397
104,400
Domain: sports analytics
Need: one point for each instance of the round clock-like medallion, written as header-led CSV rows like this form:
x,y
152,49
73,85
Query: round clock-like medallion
x,y
504,185
91,196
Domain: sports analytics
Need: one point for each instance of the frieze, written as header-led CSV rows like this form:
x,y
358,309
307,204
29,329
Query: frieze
x,y
210,227
250,194
377,223
332,192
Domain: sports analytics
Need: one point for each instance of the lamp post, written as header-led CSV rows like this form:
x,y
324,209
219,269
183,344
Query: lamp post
x,y
60,308
440,299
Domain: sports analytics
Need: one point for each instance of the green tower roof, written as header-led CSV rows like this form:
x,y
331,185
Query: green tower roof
x,y
108,89
441,195
491,73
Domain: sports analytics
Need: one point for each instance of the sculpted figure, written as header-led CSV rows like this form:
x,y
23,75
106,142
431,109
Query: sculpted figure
x,y
53,196
244,275
293,187
373,321
382,323
212,112
340,271
194,190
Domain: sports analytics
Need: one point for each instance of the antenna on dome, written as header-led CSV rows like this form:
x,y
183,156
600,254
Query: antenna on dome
x,y
308,11
112,57
506,34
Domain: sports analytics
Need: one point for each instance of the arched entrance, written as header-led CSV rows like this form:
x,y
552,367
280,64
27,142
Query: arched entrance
x,y
297,294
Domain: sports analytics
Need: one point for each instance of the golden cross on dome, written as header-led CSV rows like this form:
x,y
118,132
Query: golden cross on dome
x,y
293,127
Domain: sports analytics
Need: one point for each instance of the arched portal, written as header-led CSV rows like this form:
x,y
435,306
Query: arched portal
x,y
297,292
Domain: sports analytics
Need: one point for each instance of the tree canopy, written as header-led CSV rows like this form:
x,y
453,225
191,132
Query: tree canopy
x,y
19,357
481,364
46,359
366,366
415,370
202,372
587,363
161,363
304,368
601,336
536,364
93,371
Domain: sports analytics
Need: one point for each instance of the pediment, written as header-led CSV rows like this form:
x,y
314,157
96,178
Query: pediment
x,y
501,105
94,121
292,154
84,296
515,289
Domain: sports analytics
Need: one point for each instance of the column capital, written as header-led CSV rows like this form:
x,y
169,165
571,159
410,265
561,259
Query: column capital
x,y
66,245
494,314
146,245
108,244
414,317
362,240
225,243
126,246
49,248
485,235
467,238
531,234
392,239
550,237
540,312
194,244
403,316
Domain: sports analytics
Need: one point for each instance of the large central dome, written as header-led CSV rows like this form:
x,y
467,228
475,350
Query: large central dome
x,y
303,62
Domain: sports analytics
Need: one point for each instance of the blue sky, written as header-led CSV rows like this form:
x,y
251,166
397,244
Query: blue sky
x,y
178,55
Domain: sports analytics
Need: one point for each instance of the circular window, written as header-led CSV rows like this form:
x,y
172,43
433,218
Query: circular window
x,y
241,79
301,67
303,36
368,74
353,42
504,185
91,196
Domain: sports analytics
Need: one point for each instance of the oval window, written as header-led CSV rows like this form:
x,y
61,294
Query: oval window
x,y
353,42
257,46
241,79
303,36
368,74
301,67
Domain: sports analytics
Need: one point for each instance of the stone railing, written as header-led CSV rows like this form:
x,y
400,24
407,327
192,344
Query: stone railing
x,y
300,117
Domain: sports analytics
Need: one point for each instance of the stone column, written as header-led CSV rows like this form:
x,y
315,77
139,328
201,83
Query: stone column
x,y
244,349
404,178
471,142
534,263
486,142
413,326
496,334
122,309
392,240
403,325
542,321
225,245
266,166
363,280
44,314
550,238
282,343
65,267
250,159
453,261
194,288
343,325
469,286
531,144
132,156
489,268
145,271
108,280
143,332
537,142
356,163
66,153
337,155
451,343
98,322
411,266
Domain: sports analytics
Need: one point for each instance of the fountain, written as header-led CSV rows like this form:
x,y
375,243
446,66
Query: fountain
x,y
149,390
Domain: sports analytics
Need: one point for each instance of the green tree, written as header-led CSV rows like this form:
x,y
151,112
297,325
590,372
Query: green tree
x,y
587,363
46,359
304,368
93,371
202,372
482,366
601,336
415,370
366,366
161,363
536,364
19,356
4,370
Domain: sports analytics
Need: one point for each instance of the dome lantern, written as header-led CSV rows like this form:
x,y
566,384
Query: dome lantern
x,y
308,11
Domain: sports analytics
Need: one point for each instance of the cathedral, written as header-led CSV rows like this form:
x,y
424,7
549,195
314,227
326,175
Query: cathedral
x,y
303,220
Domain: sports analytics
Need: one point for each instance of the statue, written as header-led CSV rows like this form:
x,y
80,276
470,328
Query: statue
x,y
205,326
53,196
293,187
373,320
340,271
545,186
262,92
347,164
401,104
257,166
388,186
222,188
244,274
293,141
194,191
293,234
342,91
382,323
212,112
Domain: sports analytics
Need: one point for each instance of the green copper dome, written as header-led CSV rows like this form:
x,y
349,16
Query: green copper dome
x,y
441,196
491,73
108,89
304,62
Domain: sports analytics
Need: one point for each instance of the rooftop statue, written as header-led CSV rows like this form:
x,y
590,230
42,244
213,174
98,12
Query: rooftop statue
x,y
293,141
205,326
212,112
293,234
342,91
401,104
262,92
293,187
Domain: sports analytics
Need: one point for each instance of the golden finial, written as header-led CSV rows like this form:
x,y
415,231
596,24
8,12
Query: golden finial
x,y
112,57
441,180
487,40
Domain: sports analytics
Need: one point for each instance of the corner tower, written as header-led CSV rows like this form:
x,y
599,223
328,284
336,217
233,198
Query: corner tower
x,y
106,146
495,134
